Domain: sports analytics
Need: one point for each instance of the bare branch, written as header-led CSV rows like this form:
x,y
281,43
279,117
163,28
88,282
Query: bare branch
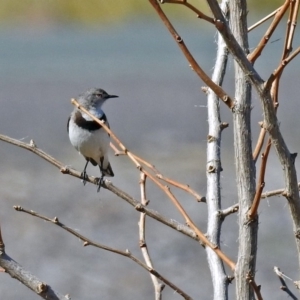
x,y
158,287
16,271
106,184
264,19
87,242
214,224
194,65
263,42
228,211
284,286
255,287
199,13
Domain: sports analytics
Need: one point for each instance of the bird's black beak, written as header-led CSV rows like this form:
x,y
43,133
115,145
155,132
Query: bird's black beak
x,y
112,96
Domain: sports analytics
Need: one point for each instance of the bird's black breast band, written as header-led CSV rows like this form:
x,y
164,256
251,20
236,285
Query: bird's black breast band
x,y
81,122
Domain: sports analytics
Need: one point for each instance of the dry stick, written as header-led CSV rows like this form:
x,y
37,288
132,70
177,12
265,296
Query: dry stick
x,y
158,287
255,287
179,185
194,65
295,9
284,286
16,271
166,189
263,42
228,211
200,14
259,143
264,19
87,242
106,184
260,186
279,70
184,187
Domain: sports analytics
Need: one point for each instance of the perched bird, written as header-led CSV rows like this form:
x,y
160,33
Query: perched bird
x,y
87,136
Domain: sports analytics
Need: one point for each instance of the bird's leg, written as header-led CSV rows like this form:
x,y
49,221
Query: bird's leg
x,y
100,182
83,174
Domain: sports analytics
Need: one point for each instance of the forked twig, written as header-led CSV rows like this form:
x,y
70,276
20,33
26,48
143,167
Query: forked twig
x,y
87,242
265,39
255,287
284,287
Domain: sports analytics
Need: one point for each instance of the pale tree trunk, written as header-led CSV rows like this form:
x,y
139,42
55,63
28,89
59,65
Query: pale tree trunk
x,y
213,170
245,167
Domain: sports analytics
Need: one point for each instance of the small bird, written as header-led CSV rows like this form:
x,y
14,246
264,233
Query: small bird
x,y
87,136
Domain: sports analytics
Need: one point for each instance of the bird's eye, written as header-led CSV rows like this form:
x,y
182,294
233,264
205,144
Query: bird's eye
x,y
99,95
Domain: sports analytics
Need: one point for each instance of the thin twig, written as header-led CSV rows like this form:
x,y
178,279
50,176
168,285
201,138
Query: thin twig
x,y
255,287
260,142
228,211
284,286
158,287
199,13
280,68
264,19
265,39
87,242
260,185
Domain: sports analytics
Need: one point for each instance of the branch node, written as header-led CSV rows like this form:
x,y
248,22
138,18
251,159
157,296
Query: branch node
x,y
55,220
297,233
204,89
139,207
224,125
65,170
32,144
86,243
179,40
41,288
211,138
211,169
17,207
142,244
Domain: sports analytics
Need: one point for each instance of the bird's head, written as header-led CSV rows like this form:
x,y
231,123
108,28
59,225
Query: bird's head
x,y
94,98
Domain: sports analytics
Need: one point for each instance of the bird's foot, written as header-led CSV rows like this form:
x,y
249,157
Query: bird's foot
x,y
84,177
101,180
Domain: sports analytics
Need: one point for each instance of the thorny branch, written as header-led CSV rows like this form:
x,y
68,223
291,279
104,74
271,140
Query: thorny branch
x,y
87,242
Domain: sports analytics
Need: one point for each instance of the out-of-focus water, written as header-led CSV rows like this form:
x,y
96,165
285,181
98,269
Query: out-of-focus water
x,y
161,115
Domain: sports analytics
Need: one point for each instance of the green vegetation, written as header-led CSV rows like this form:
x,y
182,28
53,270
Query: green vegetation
x,y
97,11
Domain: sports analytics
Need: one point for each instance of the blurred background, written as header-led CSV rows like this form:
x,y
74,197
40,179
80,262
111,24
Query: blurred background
x,y
51,51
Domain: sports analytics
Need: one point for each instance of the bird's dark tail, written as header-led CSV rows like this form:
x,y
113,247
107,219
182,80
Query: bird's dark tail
x,y
108,171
